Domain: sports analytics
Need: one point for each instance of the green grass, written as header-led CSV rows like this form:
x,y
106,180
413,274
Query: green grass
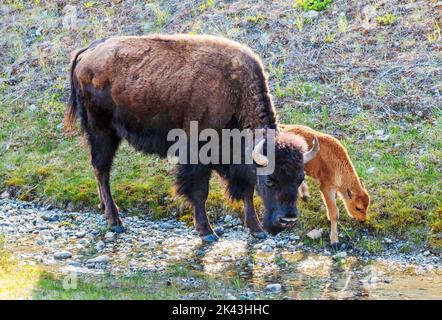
x,y
39,162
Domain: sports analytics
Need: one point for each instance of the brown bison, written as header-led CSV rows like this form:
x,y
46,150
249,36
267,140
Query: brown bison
x,y
139,88
333,168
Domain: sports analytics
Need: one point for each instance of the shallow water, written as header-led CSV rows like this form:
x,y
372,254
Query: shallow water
x,y
237,260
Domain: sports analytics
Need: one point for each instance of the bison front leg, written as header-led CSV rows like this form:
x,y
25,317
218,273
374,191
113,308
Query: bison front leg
x,y
329,197
193,183
251,219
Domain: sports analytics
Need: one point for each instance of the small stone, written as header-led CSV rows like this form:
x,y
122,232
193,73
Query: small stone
x,y
379,132
100,259
311,14
373,279
80,234
40,242
5,195
109,237
426,253
100,245
219,230
388,279
371,170
315,233
340,255
230,296
62,255
273,287
266,248
388,240
74,264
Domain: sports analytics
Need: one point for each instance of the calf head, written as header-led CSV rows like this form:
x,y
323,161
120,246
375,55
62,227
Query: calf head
x,y
279,190
356,200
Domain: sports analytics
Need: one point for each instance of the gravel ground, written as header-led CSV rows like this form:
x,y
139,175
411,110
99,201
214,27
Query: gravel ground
x,y
81,242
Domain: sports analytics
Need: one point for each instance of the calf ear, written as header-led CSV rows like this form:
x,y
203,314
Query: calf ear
x,y
349,193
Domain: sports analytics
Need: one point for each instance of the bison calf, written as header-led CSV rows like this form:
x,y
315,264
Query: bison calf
x,y
336,174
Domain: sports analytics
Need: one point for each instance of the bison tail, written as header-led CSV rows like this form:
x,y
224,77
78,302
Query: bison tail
x,y
72,105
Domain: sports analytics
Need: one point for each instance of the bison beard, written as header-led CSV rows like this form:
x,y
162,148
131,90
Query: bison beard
x,y
139,88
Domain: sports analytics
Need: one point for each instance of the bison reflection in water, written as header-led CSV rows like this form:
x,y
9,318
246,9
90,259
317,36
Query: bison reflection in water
x,y
139,88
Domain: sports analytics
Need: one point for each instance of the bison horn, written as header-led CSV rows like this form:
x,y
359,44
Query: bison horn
x,y
309,155
257,155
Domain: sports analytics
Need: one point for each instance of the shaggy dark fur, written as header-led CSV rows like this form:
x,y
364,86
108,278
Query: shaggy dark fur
x,y
139,88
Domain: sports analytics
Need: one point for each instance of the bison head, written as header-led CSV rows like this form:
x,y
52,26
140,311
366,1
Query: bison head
x,y
279,190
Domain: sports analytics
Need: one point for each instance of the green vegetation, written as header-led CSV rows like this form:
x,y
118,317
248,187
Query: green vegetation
x,y
317,5
318,87
386,20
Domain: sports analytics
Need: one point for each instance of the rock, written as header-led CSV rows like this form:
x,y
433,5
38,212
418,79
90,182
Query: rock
x,y
40,242
311,14
219,230
100,259
80,234
388,240
371,170
388,279
273,288
373,280
230,296
5,195
109,237
266,248
166,225
340,255
379,132
100,245
426,253
315,233
74,264
61,255
228,218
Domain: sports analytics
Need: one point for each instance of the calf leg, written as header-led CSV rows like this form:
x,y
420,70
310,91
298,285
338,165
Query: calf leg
x,y
329,198
193,182
103,145
303,191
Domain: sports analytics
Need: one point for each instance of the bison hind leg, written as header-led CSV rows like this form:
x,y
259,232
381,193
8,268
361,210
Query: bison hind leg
x,y
103,145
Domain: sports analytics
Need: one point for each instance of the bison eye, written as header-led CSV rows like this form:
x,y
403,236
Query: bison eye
x,y
269,182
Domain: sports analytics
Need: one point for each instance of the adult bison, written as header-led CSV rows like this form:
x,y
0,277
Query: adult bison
x,y
139,88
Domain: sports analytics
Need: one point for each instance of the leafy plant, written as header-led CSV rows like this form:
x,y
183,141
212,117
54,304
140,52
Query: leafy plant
x,y
317,5
386,20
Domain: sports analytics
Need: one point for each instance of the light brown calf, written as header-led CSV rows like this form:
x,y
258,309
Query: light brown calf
x,y
334,170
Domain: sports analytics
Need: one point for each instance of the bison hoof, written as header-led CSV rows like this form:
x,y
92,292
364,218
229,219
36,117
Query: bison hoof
x,y
210,238
259,235
118,229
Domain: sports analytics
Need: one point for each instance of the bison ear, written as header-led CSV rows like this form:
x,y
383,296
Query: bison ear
x,y
349,193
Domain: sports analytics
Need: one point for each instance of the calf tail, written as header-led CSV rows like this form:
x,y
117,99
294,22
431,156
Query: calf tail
x,y
72,105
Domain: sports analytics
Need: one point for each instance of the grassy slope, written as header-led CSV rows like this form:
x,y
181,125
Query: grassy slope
x,y
334,74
